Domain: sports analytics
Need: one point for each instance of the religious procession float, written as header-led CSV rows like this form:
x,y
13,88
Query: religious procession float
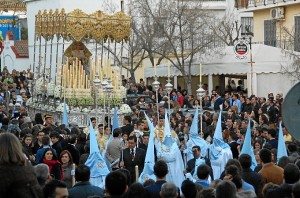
x,y
67,72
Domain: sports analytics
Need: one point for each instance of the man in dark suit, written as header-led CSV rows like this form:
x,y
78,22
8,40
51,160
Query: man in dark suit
x,y
145,139
128,127
83,188
271,111
190,168
272,138
55,142
141,87
233,144
132,157
160,171
72,149
249,176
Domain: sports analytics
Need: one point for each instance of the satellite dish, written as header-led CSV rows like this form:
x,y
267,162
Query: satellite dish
x,y
291,111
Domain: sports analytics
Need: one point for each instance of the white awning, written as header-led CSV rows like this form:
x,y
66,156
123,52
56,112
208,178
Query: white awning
x,y
266,60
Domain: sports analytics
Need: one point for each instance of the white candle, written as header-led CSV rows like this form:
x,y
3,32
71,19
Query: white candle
x,y
136,173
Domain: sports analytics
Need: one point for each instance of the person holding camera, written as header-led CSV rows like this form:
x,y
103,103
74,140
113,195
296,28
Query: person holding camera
x,y
193,164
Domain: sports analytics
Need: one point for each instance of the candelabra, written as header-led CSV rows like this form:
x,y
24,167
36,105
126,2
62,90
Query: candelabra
x,y
169,88
109,90
97,86
30,87
200,93
155,86
104,84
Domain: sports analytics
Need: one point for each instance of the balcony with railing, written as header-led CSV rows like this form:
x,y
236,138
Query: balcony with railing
x,y
261,4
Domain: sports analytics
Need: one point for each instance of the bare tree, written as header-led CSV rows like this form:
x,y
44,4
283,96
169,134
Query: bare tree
x,y
130,54
178,32
227,29
290,45
148,33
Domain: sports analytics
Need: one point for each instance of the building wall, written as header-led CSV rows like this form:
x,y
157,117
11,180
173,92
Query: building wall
x,y
8,58
268,83
288,22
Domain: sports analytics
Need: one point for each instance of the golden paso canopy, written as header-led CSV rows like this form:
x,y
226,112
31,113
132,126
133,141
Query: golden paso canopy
x,y
78,25
12,5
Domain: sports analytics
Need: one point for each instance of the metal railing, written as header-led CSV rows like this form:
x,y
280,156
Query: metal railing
x,y
82,119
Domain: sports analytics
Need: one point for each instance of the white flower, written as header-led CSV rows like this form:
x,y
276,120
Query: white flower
x,y
29,102
39,85
51,108
58,91
125,109
44,107
122,92
50,89
77,109
60,107
85,110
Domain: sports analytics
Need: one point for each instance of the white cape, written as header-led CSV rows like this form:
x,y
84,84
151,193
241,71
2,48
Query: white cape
x,y
172,156
218,165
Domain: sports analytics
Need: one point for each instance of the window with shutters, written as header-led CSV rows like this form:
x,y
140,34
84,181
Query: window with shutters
x,y
297,34
270,33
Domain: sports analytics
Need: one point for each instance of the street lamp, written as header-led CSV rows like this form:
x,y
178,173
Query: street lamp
x,y
249,40
200,93
251,63
155,86
97,83
169,88
104,84
109,90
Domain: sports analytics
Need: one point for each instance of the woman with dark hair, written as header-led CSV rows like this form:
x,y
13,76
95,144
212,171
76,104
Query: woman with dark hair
x,y
196,104
27,147
226,105
141,100
17,174
257,144
55,167
67,163
206,102
274,155
38,119
263,120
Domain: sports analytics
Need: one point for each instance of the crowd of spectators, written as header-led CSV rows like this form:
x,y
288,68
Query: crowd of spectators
x,y
52,149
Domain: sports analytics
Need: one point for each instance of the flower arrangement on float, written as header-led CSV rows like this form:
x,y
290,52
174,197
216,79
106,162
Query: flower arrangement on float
x,y
76,88
29,102
40,85
60,107
58,91
50,89
125,109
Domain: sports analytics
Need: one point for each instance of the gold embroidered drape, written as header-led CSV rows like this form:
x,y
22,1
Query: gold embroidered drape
x,y
78,25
